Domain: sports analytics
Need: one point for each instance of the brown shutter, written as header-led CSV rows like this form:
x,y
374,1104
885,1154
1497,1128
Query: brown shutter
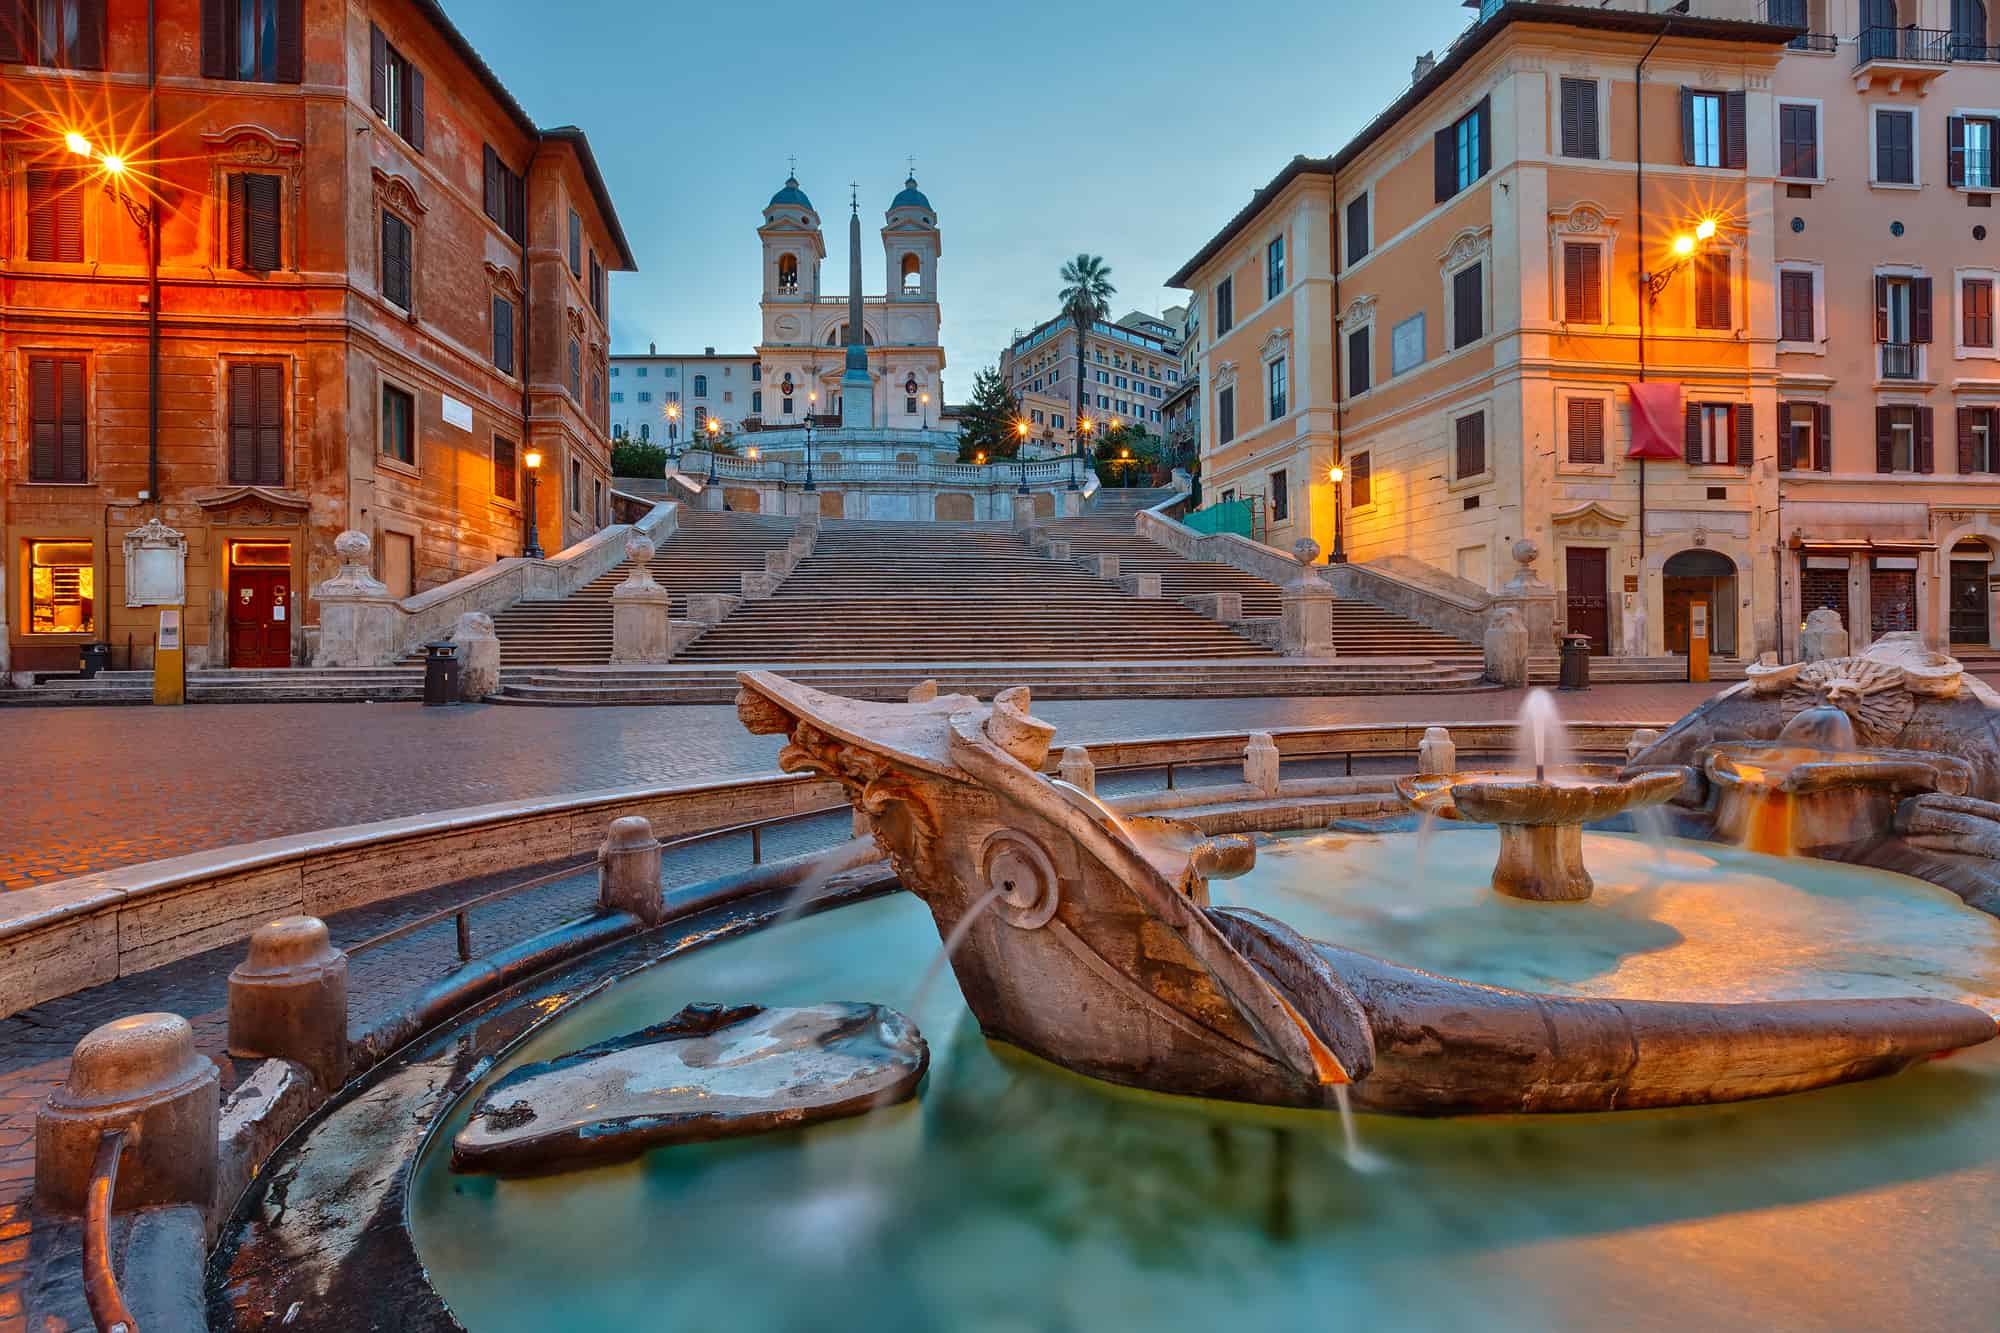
x,y
69,384
239,223
89,34
1745,419
45,431
1968,461
262,247
1881,309
1954,150
489,178
1444,163
291,41
1926,455
1593,284
242,424
1687,127
1786,459
1885,440
69,217
214,39
1692,443
270,423
416,109
1822,460
42,187
13,35
378,60
1920,310
1572,282
1485,163
1735,130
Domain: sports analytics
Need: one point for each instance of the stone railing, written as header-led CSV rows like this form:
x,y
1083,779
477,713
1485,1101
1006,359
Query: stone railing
x,y
1045,474
363,624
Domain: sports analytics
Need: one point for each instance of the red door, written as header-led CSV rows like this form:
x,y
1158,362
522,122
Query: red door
x,y
260,612
1589,596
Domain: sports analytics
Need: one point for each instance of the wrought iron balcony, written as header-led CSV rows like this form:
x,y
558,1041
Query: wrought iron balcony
x,y
1916,46
1899,361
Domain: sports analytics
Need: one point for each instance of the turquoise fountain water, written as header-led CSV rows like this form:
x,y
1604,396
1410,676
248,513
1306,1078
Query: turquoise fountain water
x,y
1013,1196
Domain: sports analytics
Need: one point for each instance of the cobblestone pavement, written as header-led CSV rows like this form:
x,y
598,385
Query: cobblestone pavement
x,y
86,789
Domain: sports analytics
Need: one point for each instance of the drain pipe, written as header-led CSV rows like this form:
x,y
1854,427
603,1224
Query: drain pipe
x,y
521,353
1339,367
1639,188
153,222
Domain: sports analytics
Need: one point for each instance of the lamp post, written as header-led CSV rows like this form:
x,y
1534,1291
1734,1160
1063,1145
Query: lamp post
x,y
812,400
925,399
673,415
1020,461
714,429
114,167
533,549
1339,554
1076,454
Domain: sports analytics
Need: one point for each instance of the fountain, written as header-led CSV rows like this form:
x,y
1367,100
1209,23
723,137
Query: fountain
x,y
1541,818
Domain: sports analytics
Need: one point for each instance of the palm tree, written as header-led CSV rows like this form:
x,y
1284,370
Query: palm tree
x,y
1086,299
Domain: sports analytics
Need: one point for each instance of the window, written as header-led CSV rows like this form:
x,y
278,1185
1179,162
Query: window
x,y
1274,268
909,406
56,420
63,34
575,243
1978,441
1357,229
1712,306
575,486
1583,282
396,246
1463,150
1579,118
1714,129
1798,141
1976,304
596,285
1407,344
399,420
1902,322
1225,309
62,587
1470,453
505,195
1468,315
1796,321
1719,434
1275,375
701,386
257,424
757,401
1804,436
1895,147
55,215
1357,359
1280,489
1586,430
1970,140
575,370
1225,415
506,475
756,372
395,89
1360,481
252,41
787,409
503,334
597,501
1903,439
254,228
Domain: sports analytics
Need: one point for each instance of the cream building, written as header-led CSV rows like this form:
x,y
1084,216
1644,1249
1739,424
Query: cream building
x,y
1131,367
667,399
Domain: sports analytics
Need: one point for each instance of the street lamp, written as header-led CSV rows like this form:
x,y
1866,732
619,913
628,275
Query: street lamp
x,y
673,415
714,428
1339,556
1076,454
812,401
115,167
533,549
925,399
1020,460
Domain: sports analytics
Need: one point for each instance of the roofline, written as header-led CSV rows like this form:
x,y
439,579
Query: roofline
x,y
1470,44
432,11
1175,343
683,356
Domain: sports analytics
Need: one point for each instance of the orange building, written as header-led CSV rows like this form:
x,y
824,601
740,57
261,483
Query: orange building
x,y
318,270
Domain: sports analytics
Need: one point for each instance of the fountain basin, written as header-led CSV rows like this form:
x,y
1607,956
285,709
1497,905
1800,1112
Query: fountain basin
x,y
1781,798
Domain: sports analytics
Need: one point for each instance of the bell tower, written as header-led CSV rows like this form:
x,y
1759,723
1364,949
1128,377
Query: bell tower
x,y
910,247
793,248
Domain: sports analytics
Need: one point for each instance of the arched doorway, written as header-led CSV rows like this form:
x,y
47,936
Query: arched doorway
x,y
1971,601
1700,576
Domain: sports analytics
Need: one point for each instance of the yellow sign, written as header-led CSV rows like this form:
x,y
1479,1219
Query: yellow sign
x,y
169,660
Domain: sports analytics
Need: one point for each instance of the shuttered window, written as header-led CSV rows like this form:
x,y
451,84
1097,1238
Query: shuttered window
x,y
1225,416
1715,129
1720,434
1225,306
55,215
575,244
255,204
503,334
1579,118
1970,144
1357,360
506,474
1470,433
1586,430
505,195
575,370
395,89
399,425
1281,496
1804,433
1583,283
63,34
1798,141
1976,300
596,285
1903,440
253,41
1796,323
1712,307
56,426
1357,229
1895,146
1978,441
1462,151
257,425
1468,306
1360,481
396,247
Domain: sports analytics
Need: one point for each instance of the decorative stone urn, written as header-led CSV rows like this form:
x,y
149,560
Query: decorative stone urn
x,y
360,620
641,625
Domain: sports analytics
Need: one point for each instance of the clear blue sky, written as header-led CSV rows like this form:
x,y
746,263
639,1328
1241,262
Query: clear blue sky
x,y
692,109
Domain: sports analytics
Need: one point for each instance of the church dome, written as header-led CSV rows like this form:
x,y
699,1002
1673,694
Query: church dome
x,y
791,195
911,197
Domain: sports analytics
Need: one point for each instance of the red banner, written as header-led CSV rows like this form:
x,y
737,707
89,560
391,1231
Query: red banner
x,y
1657,423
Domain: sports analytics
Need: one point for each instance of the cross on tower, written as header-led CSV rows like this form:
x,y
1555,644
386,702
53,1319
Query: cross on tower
x,y
854,195
913,166
792,165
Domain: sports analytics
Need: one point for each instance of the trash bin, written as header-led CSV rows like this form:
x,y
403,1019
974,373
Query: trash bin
x,y
93,658
1575,663
440,674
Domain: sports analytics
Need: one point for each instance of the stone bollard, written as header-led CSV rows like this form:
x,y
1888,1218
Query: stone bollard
x,y
1305,622
1102,566
758,587
288,1000
1024,513
711,608
360,620
1057,550
1260,763
628,870
1506,648
478,656
924,691
641,609
144,1075
1077,770
1641,740
1146,587
1437,755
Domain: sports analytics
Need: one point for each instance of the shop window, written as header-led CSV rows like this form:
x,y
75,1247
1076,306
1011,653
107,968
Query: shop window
x,y
62,588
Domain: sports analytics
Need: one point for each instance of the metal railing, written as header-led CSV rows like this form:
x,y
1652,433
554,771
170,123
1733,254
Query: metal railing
x,y
100,1278
1899,361
1923,46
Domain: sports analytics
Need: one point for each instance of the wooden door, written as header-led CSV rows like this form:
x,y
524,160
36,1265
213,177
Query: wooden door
x,y
260,618
399,563
1590,596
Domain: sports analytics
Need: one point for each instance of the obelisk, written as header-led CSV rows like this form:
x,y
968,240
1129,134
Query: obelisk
x,y
857,390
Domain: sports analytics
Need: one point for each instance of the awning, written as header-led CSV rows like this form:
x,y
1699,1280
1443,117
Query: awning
x,y
1657,423
1859,525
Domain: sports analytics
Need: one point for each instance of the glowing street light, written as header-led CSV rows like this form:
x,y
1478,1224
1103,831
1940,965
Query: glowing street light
x,y
1021,459
1684,245
533,547
1337,474
1705,230
77,144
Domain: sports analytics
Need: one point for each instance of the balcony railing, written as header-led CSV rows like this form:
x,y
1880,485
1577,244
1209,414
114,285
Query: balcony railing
x,y
1003,472
1922,46
1972,46
1899,361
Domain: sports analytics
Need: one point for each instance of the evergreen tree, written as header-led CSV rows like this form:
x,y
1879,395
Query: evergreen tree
x,y
987,424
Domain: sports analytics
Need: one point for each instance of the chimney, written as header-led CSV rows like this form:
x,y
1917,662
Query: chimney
x,y
1425,64
652,349
708,351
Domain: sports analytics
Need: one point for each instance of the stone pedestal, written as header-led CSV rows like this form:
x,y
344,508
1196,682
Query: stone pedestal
x,y
1823,637
641,625
478,656
1102,566
1531,599
1144,586
1437,754
1542,863
711,608
757,587
1226,607
1306,625
1024,512
144,1075
1077,770
710,499
288,1000
1057,550
1072,501
628,870
1506,648
1260,763
360,620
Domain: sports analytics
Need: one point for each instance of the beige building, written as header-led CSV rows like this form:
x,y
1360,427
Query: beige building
x,y
1131,366
668,399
